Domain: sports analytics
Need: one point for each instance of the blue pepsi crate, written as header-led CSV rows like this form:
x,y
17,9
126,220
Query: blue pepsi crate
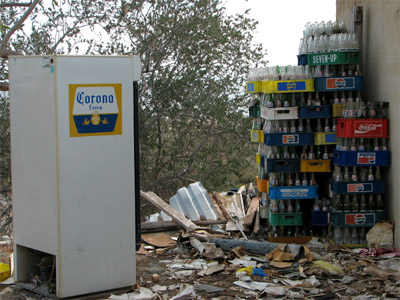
x,y
320,218
332,84
361,158
314,112
302,60
285,165
288,139
355,219
293,192
358,187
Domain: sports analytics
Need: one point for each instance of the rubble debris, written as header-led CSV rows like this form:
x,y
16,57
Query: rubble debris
x,y
186,291
251,212
140,294
252,285
381,235
328,267
207,288
209,270
161,240
170,211
159,288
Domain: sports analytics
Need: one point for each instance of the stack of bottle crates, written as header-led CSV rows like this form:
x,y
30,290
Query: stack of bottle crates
x,y
291,154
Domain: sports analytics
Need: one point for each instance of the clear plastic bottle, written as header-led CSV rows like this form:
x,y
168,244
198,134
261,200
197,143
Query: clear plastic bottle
x,y
290,208
300,127
274,206
312,180
379,203
282,206
319,126
325,155
353,146
371,202
311,154
308,127
361,146
334,125
327,128
304,182
346,176
297,181
376,145
297,206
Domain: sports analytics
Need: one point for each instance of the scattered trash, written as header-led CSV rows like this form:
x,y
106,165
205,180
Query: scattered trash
x,y
328,267
252,285
187,291
161,240
140,294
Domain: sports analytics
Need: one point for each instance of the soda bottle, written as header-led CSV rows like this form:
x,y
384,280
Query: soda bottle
x,y
355,206
354,176
308,126
319,154
347,203
281,231
292,126
383,145
346,176
270,100
310,100
354,236
371,202
336,99
317,99
353,146
300,127
290,207
361,146
325,206
379,202
282,207
285,100
326,154
298,207
294,102
312,180
302,99
278,101
364,174
327,128
311,154
337,203
304,182
285,127
362,235
338,235
319,126
297,181
378,175
347,236
316,205
371,176
275,231
342,98
363,203
376,145
290,180
304,153
297,231
251,191
371,110
286,152
334,125
274,206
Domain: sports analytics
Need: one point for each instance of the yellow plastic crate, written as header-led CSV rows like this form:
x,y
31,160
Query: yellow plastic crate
x,y
262,185
337,110
315,165
257,136
4,271
325,138
258,159
288,86
253,87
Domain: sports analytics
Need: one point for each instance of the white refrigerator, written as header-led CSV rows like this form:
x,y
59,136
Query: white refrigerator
x,y
73,168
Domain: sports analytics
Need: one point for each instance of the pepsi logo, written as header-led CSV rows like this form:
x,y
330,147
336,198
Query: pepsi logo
x,y
291,86
359,219
359,187
340,83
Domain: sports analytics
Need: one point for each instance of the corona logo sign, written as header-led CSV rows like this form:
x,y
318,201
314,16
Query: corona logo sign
x,y
95,109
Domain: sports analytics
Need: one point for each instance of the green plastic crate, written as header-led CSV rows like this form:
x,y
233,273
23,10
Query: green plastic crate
x,y
285,219
254,111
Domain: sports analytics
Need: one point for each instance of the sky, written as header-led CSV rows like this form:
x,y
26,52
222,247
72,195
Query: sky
x,y
281,23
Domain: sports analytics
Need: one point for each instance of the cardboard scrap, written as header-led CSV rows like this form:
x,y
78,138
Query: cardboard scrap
x,y
141,250
161,240
381,235
281,265
251,212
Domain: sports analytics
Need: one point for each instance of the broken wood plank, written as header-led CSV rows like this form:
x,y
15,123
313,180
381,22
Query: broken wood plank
x,y
169,210
251,212
172,225
216,200
256,227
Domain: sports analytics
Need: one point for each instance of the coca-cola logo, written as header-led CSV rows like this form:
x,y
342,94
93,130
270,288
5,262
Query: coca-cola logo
x,y
364,128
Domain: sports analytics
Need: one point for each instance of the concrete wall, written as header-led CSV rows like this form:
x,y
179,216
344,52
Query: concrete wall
x,y
381,70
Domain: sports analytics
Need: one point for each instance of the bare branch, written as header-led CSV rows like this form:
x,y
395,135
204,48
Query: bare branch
x,y
4,86
15,4
17,25
6,54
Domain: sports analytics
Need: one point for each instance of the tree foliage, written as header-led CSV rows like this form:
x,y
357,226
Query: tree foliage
x,y
195,58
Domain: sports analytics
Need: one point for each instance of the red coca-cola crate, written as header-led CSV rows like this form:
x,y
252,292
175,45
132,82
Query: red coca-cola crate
x,y
362,128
